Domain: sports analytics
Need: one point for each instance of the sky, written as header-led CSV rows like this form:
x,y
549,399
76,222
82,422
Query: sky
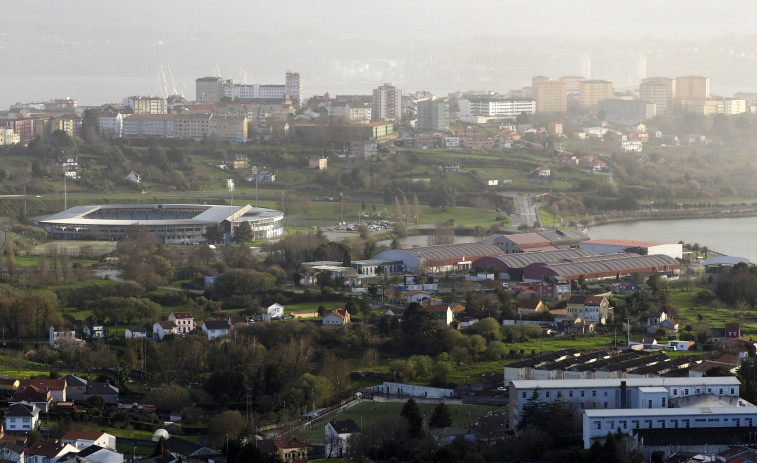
x,y
100,51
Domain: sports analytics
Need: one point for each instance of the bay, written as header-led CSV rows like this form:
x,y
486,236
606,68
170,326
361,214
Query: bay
x,y
731,236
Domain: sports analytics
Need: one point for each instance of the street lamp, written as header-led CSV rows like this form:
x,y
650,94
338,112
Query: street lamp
x,y
134,458
341,199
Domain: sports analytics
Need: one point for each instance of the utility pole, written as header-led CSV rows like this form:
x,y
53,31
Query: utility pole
x,y
255,173
230,186
26,181
341,199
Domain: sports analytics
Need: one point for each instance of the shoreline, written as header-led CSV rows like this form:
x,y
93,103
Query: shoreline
x,y
679,214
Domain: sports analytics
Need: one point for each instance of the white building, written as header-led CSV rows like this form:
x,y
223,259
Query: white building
x,y
163,328
215,328
610,246
631,145
337,317
493,106
46,451
337,436
629,393
413,390
149,125
22,417
274,310
135,333
598,423
83,439
112,124
185,322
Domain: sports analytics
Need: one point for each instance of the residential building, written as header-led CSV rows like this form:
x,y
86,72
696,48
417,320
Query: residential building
x,y
318,163
240,161
94,331
337,317
33,395
337,437
93,454
45,451
433,115
627,112
56,387
192,126
104,390
692,88
189,451
387,103
285,450
209,89
8,384
228,128
554,129
134,177
184,321
136,333
11,451
495,106
21,417
146,104
551,96
443,313
62,335
274,311
591,92
352,112
83,439
596,309
363,149
531,306
658,90
112,124
163,328
149,125
572,83
293,84
215,328
76,388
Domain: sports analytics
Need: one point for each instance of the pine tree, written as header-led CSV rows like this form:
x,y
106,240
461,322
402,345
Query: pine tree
x,y
440,417
412,413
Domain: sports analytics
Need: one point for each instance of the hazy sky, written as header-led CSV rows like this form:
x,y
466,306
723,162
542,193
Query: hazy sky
x,y
99,51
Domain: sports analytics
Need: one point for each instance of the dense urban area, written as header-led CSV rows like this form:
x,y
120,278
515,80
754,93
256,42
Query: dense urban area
x,y
254,276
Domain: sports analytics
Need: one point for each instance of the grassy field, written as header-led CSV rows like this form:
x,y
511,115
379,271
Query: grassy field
x,y
369,412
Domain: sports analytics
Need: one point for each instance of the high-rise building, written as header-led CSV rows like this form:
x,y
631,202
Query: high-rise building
x,y
692,88
433,115
209,89
551,96
294,86
146,104
387,103
591,92
658,90
572,82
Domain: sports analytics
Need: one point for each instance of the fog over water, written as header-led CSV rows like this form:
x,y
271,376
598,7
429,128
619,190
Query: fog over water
x,y
101,52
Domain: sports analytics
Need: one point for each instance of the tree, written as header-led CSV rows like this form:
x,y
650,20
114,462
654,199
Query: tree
x,y
443,196
214,233
412,415
440,417
230,423
243,232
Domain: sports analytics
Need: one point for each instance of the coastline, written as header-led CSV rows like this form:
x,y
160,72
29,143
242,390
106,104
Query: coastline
x,y
677,214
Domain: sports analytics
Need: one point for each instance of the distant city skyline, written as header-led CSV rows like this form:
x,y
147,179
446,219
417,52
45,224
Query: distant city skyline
x,y
98,53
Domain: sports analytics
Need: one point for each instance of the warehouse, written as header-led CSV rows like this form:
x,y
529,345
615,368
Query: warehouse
x,y
441,258
511,267
605,266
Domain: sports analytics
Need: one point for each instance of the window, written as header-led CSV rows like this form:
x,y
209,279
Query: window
x,y
733,391
649,404
547,394
524,394
612,425
582,393
663,403
598,424
675,391
605,393
570,394
721,391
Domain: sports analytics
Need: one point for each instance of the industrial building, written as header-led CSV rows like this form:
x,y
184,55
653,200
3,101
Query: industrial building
x,y
441,258
510,267
604,266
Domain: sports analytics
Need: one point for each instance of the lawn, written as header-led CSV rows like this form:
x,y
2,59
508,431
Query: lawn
x,y
368,412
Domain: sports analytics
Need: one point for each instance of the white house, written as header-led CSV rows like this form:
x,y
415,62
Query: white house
x,y
135,333
273,311
337,317
21,417
184,321
215,328
337,435
134,177
11,451
162,328
83,439
95,331
62,335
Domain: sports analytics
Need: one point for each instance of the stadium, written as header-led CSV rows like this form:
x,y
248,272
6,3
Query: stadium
x,y
173,223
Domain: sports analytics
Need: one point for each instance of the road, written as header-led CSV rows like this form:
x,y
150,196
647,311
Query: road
x,y
525,213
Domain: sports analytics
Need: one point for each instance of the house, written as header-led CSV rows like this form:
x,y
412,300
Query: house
x,y
84,439
184,321
653,319
337,317
76,387
732,330
467,322
215,328
443,313
240,161
21,417
33,395
136,333
526,306
286,450
8,384
274,311
417,296
46,451
11,451
337,435
93,454
107,391
318,163
63,335
56,387
596,309
163,328
134,177
94,331
189,451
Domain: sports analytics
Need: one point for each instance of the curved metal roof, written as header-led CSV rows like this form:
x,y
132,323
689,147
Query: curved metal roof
x,y
526,258
450,251
605,264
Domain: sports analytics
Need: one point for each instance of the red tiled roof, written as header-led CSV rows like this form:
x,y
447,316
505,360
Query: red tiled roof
x,y
86,435
44,384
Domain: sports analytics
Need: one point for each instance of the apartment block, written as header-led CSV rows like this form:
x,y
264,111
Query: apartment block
x,y
146,104
193,126
387,104
551,96
692,88
658,90
433,115
209,89
591,92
